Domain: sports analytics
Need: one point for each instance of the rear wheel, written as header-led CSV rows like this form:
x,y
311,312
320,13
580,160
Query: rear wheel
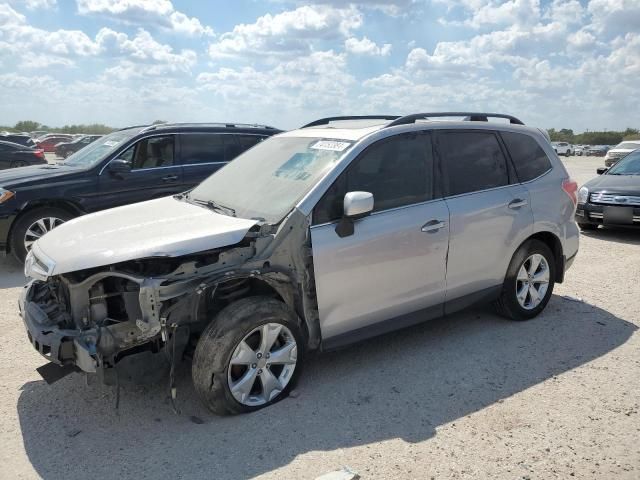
x,y
529,282
18,163
248,357
33,225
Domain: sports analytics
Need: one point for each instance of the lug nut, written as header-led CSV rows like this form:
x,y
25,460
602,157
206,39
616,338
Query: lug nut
x,y
260,372
254,365
268,355
259,355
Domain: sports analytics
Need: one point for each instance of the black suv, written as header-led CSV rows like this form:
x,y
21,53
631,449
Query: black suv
x,y
127,166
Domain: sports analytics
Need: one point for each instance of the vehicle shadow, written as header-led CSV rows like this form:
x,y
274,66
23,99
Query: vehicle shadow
x,y
11,273
630,236
400,386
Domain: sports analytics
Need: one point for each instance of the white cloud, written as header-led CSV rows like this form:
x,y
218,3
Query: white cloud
x,y
366,47
159,13
34,4
486,13
615,16
289,33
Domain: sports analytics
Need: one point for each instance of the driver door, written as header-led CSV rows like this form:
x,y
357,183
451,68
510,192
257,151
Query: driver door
x,y
391,272
154,173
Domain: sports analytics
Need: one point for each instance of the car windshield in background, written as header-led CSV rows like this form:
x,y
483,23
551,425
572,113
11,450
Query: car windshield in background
x,y
268,180
628,145
629,165
93,153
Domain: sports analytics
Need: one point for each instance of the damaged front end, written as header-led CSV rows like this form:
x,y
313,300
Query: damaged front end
x,y
133,319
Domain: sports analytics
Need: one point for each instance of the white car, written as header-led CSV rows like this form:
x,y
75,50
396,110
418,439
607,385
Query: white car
x,y
620,150
563,148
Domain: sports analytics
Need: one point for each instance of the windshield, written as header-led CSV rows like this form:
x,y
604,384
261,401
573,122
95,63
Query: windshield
x,y
629,165
628,145
268,180
93,153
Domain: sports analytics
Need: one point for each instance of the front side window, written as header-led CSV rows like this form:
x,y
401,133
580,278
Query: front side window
x,y
473,161
397,171
151,152
528,156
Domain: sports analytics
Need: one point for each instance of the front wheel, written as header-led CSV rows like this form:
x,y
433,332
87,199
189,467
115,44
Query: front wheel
x,y
33,225
529,282
248,357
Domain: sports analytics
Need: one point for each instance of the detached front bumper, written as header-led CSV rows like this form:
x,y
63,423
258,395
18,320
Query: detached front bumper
x,y
61,346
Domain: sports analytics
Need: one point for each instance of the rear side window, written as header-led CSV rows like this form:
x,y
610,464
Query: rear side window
x,y
528,157
473,161
204,148
245,142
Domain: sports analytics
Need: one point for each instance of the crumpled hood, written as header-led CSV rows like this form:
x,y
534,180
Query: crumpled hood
x,y
164,227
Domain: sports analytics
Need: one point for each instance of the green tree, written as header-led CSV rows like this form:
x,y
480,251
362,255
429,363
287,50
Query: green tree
x,y
26,126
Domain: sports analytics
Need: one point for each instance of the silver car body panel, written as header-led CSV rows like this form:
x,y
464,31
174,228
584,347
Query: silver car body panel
x,y
389,267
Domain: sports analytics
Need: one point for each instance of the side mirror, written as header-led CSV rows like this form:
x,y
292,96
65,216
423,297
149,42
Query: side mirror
x,y
355,205
601,170
119,167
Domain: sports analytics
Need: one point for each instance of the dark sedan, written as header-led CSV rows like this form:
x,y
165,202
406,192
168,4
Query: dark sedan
x,y
127,166
64,149
613,198
14,155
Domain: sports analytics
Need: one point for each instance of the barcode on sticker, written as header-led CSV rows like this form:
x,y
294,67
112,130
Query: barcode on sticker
x,y
331,145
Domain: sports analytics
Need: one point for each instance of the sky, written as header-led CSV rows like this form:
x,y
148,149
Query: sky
x,y
554,64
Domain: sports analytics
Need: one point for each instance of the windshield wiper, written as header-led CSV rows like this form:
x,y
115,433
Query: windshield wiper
x,y
214,206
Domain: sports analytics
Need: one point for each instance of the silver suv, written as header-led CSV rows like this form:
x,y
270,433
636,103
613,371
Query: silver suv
x,y
344,229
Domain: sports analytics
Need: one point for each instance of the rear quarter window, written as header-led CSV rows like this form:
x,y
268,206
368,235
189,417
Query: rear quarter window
x,y
528,157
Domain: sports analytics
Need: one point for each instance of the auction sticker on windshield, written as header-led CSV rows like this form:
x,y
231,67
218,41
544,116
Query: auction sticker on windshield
x,y
331,145
111,143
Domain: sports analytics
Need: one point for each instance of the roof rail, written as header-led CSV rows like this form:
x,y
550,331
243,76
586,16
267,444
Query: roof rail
x,y
469,116
326,121
208,124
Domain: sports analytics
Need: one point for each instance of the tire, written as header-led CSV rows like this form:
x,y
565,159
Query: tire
x,y
587,226
25,222
508,304
220,344
568,154
18,163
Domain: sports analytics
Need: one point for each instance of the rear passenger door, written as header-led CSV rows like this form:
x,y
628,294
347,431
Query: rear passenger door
x,y
202,154
490,213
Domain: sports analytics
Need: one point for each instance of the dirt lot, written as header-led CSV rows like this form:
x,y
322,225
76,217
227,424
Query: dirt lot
x,y
469,396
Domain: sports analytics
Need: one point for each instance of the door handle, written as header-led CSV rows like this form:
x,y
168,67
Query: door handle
x,y
170,178
432,226
517,203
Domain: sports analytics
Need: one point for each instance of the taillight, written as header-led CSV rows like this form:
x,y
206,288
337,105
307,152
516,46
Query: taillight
x,y
570,187
39,153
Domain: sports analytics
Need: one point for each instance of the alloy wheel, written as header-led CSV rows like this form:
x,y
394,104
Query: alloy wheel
x,y
532,281
262,364
38,228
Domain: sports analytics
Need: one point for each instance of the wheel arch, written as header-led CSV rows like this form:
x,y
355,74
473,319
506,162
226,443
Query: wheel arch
x,y
552,241
66,205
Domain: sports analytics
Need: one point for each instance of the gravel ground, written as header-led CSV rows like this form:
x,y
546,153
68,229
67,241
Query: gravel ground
x,y
468,396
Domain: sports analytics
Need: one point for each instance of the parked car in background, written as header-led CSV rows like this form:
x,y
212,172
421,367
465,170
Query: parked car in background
x,y
13,155
597,150
314,239
24,140
64,149
620,151
127,166
563,148
580,150
613,198
49,143
37,133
